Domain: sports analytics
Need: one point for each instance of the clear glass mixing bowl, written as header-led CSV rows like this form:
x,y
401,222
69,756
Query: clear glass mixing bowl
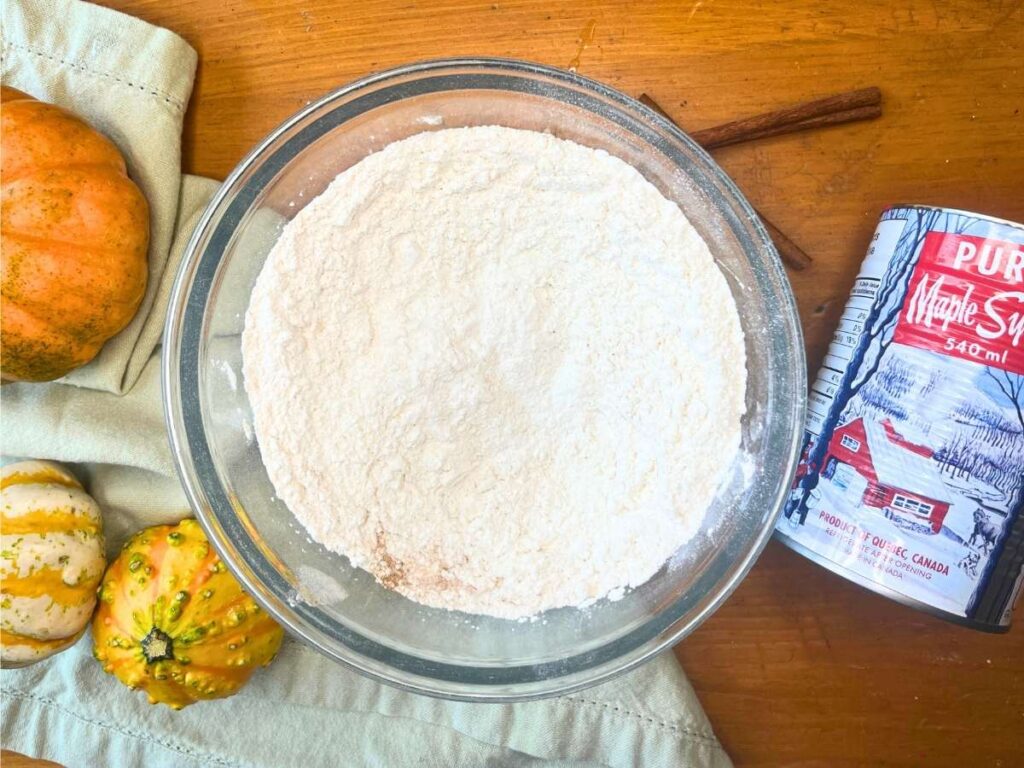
x,y
317,595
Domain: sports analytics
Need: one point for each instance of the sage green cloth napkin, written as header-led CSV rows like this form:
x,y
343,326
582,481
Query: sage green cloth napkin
x,y
133,81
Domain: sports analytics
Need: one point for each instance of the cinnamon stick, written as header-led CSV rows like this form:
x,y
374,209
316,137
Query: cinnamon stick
x,y
853,106
855,115
862,104
790,253
647,101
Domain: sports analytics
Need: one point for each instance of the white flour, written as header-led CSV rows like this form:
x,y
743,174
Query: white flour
x,y
496,369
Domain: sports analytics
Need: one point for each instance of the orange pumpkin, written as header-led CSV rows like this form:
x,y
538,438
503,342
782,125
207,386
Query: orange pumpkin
x,y
74,230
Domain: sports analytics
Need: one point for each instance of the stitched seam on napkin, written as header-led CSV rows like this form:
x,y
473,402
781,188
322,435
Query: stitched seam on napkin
x,y
179,748
417,720
697,735
144,87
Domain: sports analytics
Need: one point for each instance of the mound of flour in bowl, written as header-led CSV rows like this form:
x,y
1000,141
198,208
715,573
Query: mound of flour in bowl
x,y
498,370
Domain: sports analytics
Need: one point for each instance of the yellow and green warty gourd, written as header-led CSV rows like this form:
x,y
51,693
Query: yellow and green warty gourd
x,y
51,559
175,623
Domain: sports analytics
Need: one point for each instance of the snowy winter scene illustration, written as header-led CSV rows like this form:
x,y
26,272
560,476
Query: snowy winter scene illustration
x,y
928,458
912,472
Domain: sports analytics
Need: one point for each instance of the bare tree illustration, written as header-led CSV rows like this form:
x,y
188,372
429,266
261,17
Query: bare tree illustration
x,y
997,576
1012,387
873,343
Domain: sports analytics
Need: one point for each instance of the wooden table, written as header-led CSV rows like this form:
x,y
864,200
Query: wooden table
x,y
799,667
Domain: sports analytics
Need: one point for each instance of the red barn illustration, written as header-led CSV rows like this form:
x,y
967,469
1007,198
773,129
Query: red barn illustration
x,y
901,476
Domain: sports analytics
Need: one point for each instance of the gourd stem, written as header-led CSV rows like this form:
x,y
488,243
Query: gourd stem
x,y
157,646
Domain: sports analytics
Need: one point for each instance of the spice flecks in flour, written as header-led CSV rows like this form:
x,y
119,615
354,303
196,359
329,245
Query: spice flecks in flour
x,y
497,369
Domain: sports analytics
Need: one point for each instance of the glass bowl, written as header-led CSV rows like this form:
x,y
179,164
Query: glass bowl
x,y
316,594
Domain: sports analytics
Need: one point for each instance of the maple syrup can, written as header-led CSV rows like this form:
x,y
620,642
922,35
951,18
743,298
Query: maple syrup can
x,y
911,479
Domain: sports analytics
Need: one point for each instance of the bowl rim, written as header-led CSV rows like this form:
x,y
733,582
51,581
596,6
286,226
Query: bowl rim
x,y
420,681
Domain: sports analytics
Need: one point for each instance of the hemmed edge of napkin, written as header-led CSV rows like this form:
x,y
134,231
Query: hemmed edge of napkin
x,y
132,81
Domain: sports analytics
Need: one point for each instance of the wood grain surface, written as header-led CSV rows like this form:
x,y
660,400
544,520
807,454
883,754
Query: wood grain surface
x,y
799,667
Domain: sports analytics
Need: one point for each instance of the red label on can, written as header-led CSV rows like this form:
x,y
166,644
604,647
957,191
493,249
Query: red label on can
x,y
966,300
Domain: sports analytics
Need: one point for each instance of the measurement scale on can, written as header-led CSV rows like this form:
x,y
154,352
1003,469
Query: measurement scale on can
x,y
911,479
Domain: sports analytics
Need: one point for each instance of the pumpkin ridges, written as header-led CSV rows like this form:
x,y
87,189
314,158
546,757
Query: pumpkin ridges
x,y
100,252
247,640
74,552
158,555
39,509
201,666
191,616
48,522
31,266
236,674
59,140
37,354
56,644
58,137
40,351
238,598
64,321
50,582
80,208
60,179
113,619
203,571
41,472
35,171
122,661
53,560
198,565
43,618
246,630
256,627
115,574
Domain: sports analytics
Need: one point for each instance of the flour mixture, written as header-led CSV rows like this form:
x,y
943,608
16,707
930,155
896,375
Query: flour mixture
x,y
496,369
